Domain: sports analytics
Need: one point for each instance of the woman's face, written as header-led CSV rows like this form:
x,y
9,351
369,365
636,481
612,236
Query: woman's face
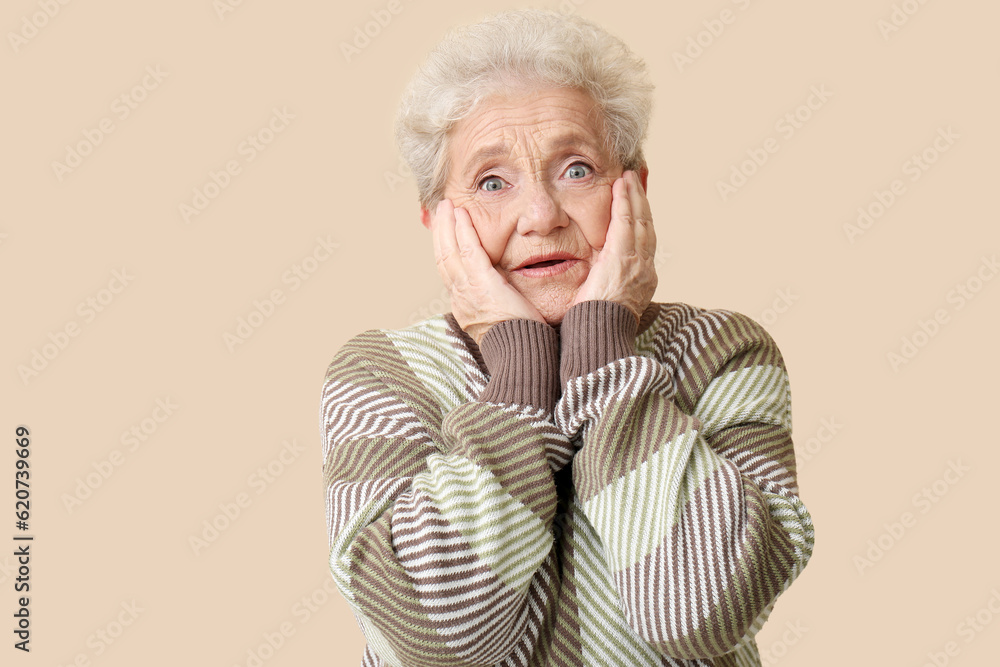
x,y
534,176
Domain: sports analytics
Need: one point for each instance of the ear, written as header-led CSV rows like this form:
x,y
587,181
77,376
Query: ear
x,y
425,217
643,176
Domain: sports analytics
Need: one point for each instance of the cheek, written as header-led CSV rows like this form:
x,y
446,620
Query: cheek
x,y
592,213
491,236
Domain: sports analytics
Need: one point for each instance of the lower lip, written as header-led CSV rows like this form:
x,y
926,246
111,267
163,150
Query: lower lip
x,y
547,271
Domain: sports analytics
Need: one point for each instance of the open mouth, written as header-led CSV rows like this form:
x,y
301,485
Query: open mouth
x,y
548,262
547,268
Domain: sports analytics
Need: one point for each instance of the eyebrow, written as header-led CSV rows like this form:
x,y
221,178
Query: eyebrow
x,y
561,142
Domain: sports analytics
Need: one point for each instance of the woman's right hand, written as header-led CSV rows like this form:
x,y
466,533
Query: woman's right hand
x,y
480,296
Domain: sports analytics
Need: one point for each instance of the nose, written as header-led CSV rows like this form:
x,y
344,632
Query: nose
x,y
539,211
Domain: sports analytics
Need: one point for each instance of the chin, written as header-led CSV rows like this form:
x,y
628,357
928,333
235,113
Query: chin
x,y
554,308
555,319
553,296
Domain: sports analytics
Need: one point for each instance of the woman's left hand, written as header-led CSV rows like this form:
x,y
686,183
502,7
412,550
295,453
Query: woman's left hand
x,y
625,271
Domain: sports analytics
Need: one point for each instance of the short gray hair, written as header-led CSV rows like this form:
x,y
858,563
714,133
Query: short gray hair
x,y
507,50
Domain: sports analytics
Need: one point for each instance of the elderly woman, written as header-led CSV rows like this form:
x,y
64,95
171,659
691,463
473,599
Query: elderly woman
x,y
559,471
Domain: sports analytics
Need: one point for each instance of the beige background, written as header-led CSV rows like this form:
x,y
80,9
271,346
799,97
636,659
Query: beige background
x,y
775,249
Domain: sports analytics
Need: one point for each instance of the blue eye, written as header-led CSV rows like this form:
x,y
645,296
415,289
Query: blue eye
x,y
492,184
578,171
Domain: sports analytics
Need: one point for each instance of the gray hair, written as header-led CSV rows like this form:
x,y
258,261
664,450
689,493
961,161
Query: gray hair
x,y
510,50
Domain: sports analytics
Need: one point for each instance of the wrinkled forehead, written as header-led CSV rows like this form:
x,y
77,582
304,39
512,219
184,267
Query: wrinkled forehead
x,y
545,124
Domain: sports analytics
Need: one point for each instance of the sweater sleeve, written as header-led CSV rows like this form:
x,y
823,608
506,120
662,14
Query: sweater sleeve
x,y
697,509
440,525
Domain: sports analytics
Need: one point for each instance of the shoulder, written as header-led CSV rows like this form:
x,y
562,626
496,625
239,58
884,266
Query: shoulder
x,y
693,328
385,349
699,344
426,360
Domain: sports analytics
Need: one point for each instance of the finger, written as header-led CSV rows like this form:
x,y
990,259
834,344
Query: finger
x,y
651,238
644,234
474,257
436,230
445,245
621,235
651,230
640,203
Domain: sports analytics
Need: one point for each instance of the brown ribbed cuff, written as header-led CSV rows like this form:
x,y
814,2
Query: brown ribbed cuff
x,y
522,357
593,334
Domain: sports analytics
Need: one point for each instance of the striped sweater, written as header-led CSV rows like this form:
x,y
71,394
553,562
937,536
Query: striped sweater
x,y
604,492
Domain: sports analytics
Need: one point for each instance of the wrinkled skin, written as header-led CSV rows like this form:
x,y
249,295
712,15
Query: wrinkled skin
x,y
537,195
